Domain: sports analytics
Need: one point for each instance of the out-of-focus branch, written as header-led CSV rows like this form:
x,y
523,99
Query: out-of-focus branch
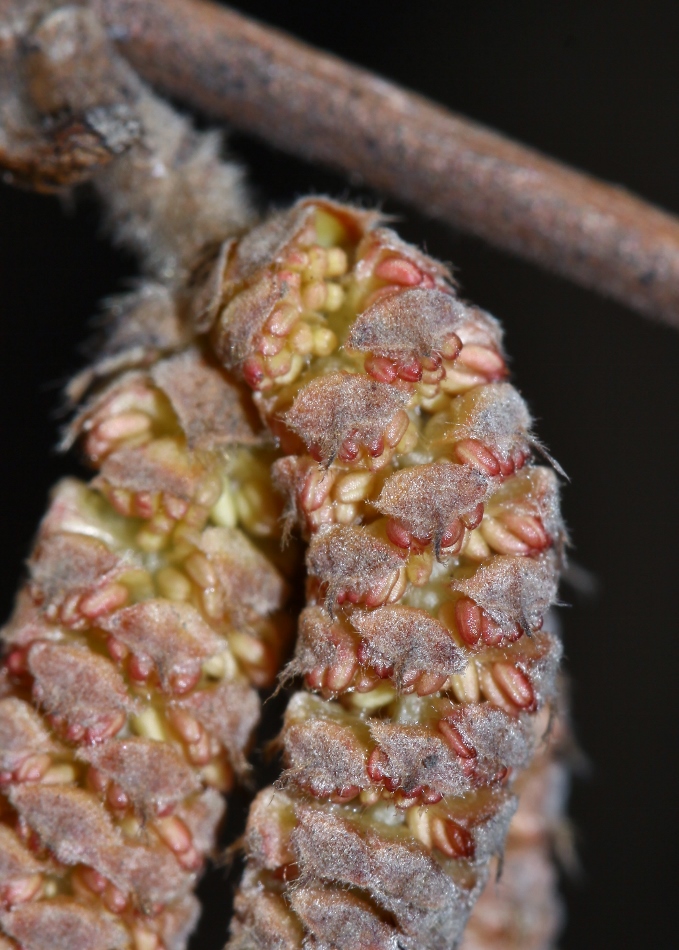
x,y
317,106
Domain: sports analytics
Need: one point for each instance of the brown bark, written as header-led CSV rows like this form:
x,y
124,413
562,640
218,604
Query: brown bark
x,y
317,106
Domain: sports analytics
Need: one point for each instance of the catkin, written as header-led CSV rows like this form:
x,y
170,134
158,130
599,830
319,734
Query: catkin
x,y
154,606
433,555
151,615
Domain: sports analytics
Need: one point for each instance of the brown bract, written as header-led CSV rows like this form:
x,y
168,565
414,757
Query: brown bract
x,y
66,563
22,733
496,415
428,499
173,635
340,406
251,585
406,640
413,322
159,466
64,924
351,560
78,685
211,409
229,712
513,589
342,920
153,775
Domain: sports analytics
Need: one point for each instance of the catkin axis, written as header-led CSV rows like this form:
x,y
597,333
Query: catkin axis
x,y
433,557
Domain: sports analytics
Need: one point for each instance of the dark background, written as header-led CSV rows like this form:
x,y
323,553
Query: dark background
x,y
596,85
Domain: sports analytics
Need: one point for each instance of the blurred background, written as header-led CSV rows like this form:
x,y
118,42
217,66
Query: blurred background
x,y
596,85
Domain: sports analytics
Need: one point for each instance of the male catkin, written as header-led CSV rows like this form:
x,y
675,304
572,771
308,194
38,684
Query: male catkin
x,y
434,548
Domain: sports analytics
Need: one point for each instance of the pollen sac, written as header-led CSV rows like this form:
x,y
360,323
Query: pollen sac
x,y
405,643
173,635
343,413
356,566
513,590
229,711
153,775
81,688
433,502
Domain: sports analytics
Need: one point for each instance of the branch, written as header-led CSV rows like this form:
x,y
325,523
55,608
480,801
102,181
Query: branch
x,y
315,105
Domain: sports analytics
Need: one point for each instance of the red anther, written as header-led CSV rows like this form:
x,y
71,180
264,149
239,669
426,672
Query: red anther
x,y
409,680
16,663
140,668
96,779
352,596
399,535
491,632
397,270
483,360
104,730
5,778
376,448
316,678
340,674
32,768
377,763
365,681
380,368
452,535
514,684
253,371
116,797
473,452
191,860
315,452
117,650
472,519
427,282
430,797
349,451
529,529
468,620
114,899
144,504
183,682
451,347
93,880
507,466
451,838
317,486
345,794
430,683
520,457
431,362
290,278
516,633
411,371
454,739
175,508
75,732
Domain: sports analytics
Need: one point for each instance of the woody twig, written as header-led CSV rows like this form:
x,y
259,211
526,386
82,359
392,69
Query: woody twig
x,y
316,106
